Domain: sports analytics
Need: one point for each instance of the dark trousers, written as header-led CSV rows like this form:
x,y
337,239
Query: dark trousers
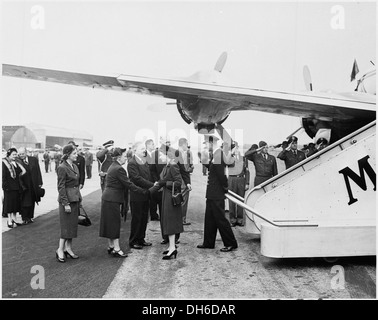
x,y
184,206
237,185
155,202
89,171
215,219
102,183
139,219
204,170
47,164
27,213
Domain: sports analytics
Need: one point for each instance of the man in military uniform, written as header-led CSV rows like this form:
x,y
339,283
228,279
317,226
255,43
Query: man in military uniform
x,y
238,182
265,164
104,158
290,154
217,186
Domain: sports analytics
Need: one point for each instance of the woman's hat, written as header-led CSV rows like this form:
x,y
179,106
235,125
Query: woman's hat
x,y
118,152
68,149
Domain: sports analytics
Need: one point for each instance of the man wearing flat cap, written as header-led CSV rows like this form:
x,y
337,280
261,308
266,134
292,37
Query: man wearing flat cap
x,y
104,158
290,154
265,164
80,163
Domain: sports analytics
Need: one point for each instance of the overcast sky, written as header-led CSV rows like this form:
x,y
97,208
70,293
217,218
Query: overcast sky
x,y
267,44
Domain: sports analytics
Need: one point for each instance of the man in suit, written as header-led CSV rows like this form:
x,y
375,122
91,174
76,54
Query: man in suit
x,y
150,148
88,163
104,158
187,159
217,186
57,159
80,163
46,160
32,180
290,154
140,175
265,164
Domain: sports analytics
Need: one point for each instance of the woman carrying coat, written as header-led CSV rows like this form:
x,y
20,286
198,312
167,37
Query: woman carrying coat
x,y
113,201
69,199
11,173
171,216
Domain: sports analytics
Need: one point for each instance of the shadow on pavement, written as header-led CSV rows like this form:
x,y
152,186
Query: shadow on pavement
x,y
34,245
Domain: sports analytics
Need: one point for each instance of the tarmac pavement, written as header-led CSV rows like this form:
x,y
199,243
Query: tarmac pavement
x,y
195,274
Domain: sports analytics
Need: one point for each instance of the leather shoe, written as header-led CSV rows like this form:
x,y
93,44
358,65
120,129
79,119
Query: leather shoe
x,y
201,246
146,244
164,241
228,249
186,223
136,246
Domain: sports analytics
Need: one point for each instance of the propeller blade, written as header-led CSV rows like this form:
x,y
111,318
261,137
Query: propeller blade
x,y
221,62
307,78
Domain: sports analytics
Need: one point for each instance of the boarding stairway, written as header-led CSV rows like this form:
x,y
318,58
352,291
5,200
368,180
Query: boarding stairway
x,y
325,206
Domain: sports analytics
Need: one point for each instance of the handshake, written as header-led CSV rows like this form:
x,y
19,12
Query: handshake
x,y
155,188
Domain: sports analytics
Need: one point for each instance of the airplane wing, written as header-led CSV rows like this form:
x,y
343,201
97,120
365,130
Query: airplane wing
x,y
325,106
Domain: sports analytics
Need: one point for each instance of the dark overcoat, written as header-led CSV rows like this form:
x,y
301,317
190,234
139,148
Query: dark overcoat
x,y
171,216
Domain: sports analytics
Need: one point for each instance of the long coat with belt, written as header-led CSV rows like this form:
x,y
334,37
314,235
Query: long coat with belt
x,y
171,217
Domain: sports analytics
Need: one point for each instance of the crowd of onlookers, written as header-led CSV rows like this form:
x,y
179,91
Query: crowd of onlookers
x,y
145,180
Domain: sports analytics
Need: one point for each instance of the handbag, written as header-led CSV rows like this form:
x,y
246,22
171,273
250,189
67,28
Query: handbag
x,y
177,199
83,218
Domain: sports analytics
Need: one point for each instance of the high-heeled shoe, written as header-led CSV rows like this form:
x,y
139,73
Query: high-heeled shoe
x,y
110,250
169,256
59,259
119,254
166,251
16,223
73,256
